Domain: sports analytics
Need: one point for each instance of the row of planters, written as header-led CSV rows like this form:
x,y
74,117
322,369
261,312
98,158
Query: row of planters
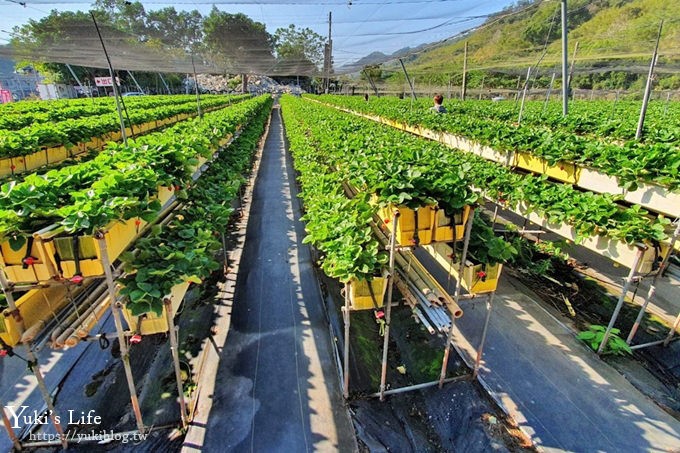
x,y
56,111
336,152
596,220
50,224
70,132
21,108
123,183
596,119
184,250
630,163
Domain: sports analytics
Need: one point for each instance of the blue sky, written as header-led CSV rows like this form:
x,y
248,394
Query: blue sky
x,y
358,29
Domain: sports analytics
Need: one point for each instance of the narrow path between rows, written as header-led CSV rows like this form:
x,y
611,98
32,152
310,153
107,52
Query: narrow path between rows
x,y
276,387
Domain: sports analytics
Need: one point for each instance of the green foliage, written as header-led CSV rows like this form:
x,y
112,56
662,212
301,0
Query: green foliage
x,y
121,182
589,213
615,344
184,249
29,127
235,39
299,50
487,248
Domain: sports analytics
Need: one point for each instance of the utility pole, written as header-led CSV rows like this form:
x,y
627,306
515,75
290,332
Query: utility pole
x,y
329,54
464,88
565,78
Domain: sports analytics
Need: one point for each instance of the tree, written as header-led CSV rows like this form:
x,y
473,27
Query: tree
x,y
373,71
237,42
56,32
299,51
182,29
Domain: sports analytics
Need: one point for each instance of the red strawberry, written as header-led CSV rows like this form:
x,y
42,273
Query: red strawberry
x,y
77,279
136,339
481,274
29,261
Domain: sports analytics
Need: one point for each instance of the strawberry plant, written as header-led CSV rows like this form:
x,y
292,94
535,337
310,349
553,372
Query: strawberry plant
x,y
615,344
120,182
184,250
655,160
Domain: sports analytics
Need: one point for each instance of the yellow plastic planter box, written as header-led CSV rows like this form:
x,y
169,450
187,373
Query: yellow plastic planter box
x,y
35,306
406,225
443,230
42,268
150,322
563,171
119,236
472,280
480,279
360,296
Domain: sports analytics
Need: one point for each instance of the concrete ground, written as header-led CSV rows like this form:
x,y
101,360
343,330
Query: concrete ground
x,y
557,390
275,385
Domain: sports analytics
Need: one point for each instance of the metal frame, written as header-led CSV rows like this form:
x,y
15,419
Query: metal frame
x,y
403,283
32,364
650,296
456,296
124,351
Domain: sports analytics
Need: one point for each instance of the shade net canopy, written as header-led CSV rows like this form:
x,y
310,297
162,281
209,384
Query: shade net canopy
x,y
365,33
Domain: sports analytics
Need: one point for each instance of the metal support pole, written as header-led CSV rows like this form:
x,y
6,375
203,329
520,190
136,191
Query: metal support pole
x,y
78,80
480,349
524,96
652,286
565,78
421,386
370,82
172,331
674,327
198,97
164,82
547,95
388,308
408,79
481,89
622,298
115,309
32,360
329,55
668,101
648,87
116,92
35,368
345,389
463,91
135,80
571,67
8,427
456,295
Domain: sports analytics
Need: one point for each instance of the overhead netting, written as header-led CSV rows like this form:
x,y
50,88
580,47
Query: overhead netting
x,y
364,33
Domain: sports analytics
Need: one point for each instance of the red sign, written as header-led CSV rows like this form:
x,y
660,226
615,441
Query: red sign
x,y
5,96
105,81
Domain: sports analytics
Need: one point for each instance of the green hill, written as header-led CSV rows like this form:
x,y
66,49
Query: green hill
x,y
616,40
